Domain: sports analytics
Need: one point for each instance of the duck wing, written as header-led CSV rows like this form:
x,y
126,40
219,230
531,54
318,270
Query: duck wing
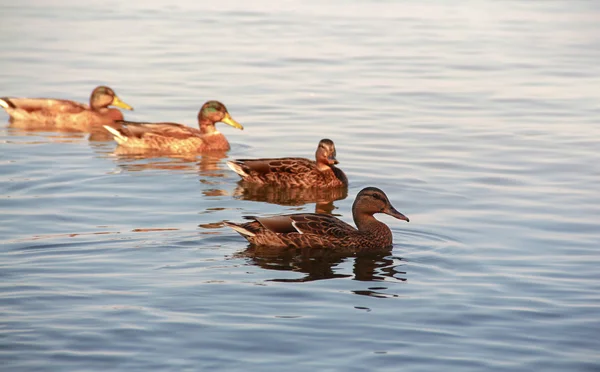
x,y
144,129
306,223
43,104
272,165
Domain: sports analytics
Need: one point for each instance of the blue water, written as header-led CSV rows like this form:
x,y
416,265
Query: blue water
x,y
480,121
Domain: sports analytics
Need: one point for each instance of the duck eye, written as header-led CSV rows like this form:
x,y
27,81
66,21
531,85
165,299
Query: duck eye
x,y
376,196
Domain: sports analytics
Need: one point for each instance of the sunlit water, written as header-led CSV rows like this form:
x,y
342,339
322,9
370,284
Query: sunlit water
x,y
480,121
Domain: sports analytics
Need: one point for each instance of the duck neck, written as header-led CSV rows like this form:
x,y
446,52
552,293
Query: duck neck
x,y
373,230
112,113
207,127
323,167
366,222
217,140
95,106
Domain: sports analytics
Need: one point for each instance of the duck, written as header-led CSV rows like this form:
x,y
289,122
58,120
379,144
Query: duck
x,y
323,231
173,138
66,115
294,172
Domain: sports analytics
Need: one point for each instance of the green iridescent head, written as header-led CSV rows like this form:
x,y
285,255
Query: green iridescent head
x,y
215,111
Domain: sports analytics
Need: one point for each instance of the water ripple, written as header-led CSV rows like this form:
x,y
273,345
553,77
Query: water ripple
x,y
479,122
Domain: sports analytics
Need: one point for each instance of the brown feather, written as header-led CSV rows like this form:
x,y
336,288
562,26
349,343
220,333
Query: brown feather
x,y
174,138
64,115
293,172
311,230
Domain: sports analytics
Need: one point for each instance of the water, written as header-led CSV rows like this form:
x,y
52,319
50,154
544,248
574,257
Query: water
x,y
479,120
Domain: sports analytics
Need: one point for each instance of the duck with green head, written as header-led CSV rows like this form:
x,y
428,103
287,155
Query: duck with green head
x,y
173,138
60,114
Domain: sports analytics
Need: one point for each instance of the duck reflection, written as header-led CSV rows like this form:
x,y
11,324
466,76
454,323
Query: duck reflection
x,y
23,128
19,129
99,134
207,165
323,197
325,264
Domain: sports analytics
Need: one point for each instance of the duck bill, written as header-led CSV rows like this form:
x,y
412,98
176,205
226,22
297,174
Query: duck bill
x,y
332,160
117,102
394,213
229,121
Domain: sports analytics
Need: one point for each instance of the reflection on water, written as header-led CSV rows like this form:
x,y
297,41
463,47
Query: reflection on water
x,y
52,136
320,264
100,134
23,128
323,198
208,165
214,192
83,234
479,120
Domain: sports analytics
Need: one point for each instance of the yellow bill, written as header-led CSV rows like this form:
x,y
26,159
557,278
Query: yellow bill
x,y
117,102
229,121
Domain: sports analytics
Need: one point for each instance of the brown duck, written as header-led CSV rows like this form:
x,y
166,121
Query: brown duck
x,y
294,172
134,137
48,113
310,230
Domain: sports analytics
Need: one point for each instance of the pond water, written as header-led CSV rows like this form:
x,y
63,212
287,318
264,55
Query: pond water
x,y
480,121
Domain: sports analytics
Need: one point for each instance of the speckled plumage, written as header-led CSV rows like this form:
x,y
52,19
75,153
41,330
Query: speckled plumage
x,y
294,172
172,138
65,115
310,230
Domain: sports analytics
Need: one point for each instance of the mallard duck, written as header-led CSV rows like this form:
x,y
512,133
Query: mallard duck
x,y
311,230
134,137
294,172
64,114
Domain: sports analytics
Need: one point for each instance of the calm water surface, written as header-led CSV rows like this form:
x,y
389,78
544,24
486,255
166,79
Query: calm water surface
x,y
479,120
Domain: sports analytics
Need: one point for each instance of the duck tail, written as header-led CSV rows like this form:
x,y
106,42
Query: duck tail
x,y
119,138
240,229
237,168
6,103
